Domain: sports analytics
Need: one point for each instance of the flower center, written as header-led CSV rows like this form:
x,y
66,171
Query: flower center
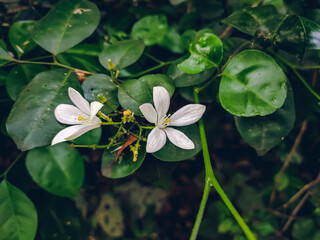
x,y
164,121
84,119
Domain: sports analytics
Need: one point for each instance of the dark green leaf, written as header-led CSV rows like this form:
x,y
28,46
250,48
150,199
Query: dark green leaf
x,y
3,77
263,133
20,38
100,84
150,29
206,53
66,24
59,169
190,36
303,229
122,53
172,41
18,219
295,34
250,19
172,153
124,166
4,57
31,122
135,92
20,76
252,84
83,56
183,79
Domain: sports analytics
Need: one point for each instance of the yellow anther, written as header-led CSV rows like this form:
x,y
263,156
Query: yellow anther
x,y
102,99
167,121
127,113
80,118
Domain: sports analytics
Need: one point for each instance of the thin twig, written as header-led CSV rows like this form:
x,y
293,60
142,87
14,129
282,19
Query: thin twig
x,y
302,191
288,160
295,212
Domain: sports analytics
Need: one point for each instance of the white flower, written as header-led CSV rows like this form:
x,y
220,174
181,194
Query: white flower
x,y
186,115
83,117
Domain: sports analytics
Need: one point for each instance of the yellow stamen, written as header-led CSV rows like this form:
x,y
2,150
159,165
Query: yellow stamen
x,y
80,118
167,121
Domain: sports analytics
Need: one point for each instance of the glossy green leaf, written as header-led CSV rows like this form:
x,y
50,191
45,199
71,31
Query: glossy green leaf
x,y
124,166
263,133
68,23
135,92
20,76
122,53
18,215
295,34
172,41
4,57
150,29
100,84
31,122
183,79
190,36
172,153
83,56
206,53
250,19
252,84
59,169
89,138
20,38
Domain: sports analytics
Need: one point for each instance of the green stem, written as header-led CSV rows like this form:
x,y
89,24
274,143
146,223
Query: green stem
x,y
151,69
304,82
153,58
44,63
208,82
214,183
111,123
4,174
147,127
203,203
93,146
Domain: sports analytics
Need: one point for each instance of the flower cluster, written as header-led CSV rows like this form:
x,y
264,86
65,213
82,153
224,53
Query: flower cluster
x,y
83,118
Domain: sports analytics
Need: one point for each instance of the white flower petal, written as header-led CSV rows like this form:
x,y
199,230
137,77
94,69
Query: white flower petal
x,y
161,100
149,112
187,115
70,133
179,139
79,101
69,114
156,140
95,121
94,108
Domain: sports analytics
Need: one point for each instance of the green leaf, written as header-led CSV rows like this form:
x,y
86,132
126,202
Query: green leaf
x,y
172,153
59,169
19,77
66,24
100,84
135,92
263,228
183,79
206,53
4,57
31,122
122,53
283,183
250,19
295,34
190,36
263,133
124,165
150,29
20,38
18,219
252,84
3,77
172,41
83,56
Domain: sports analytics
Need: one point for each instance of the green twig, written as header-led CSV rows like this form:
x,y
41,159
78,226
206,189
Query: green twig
x,y
214,183
4,174
151,69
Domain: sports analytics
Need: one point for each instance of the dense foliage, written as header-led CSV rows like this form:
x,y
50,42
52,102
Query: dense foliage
x,y
254,64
